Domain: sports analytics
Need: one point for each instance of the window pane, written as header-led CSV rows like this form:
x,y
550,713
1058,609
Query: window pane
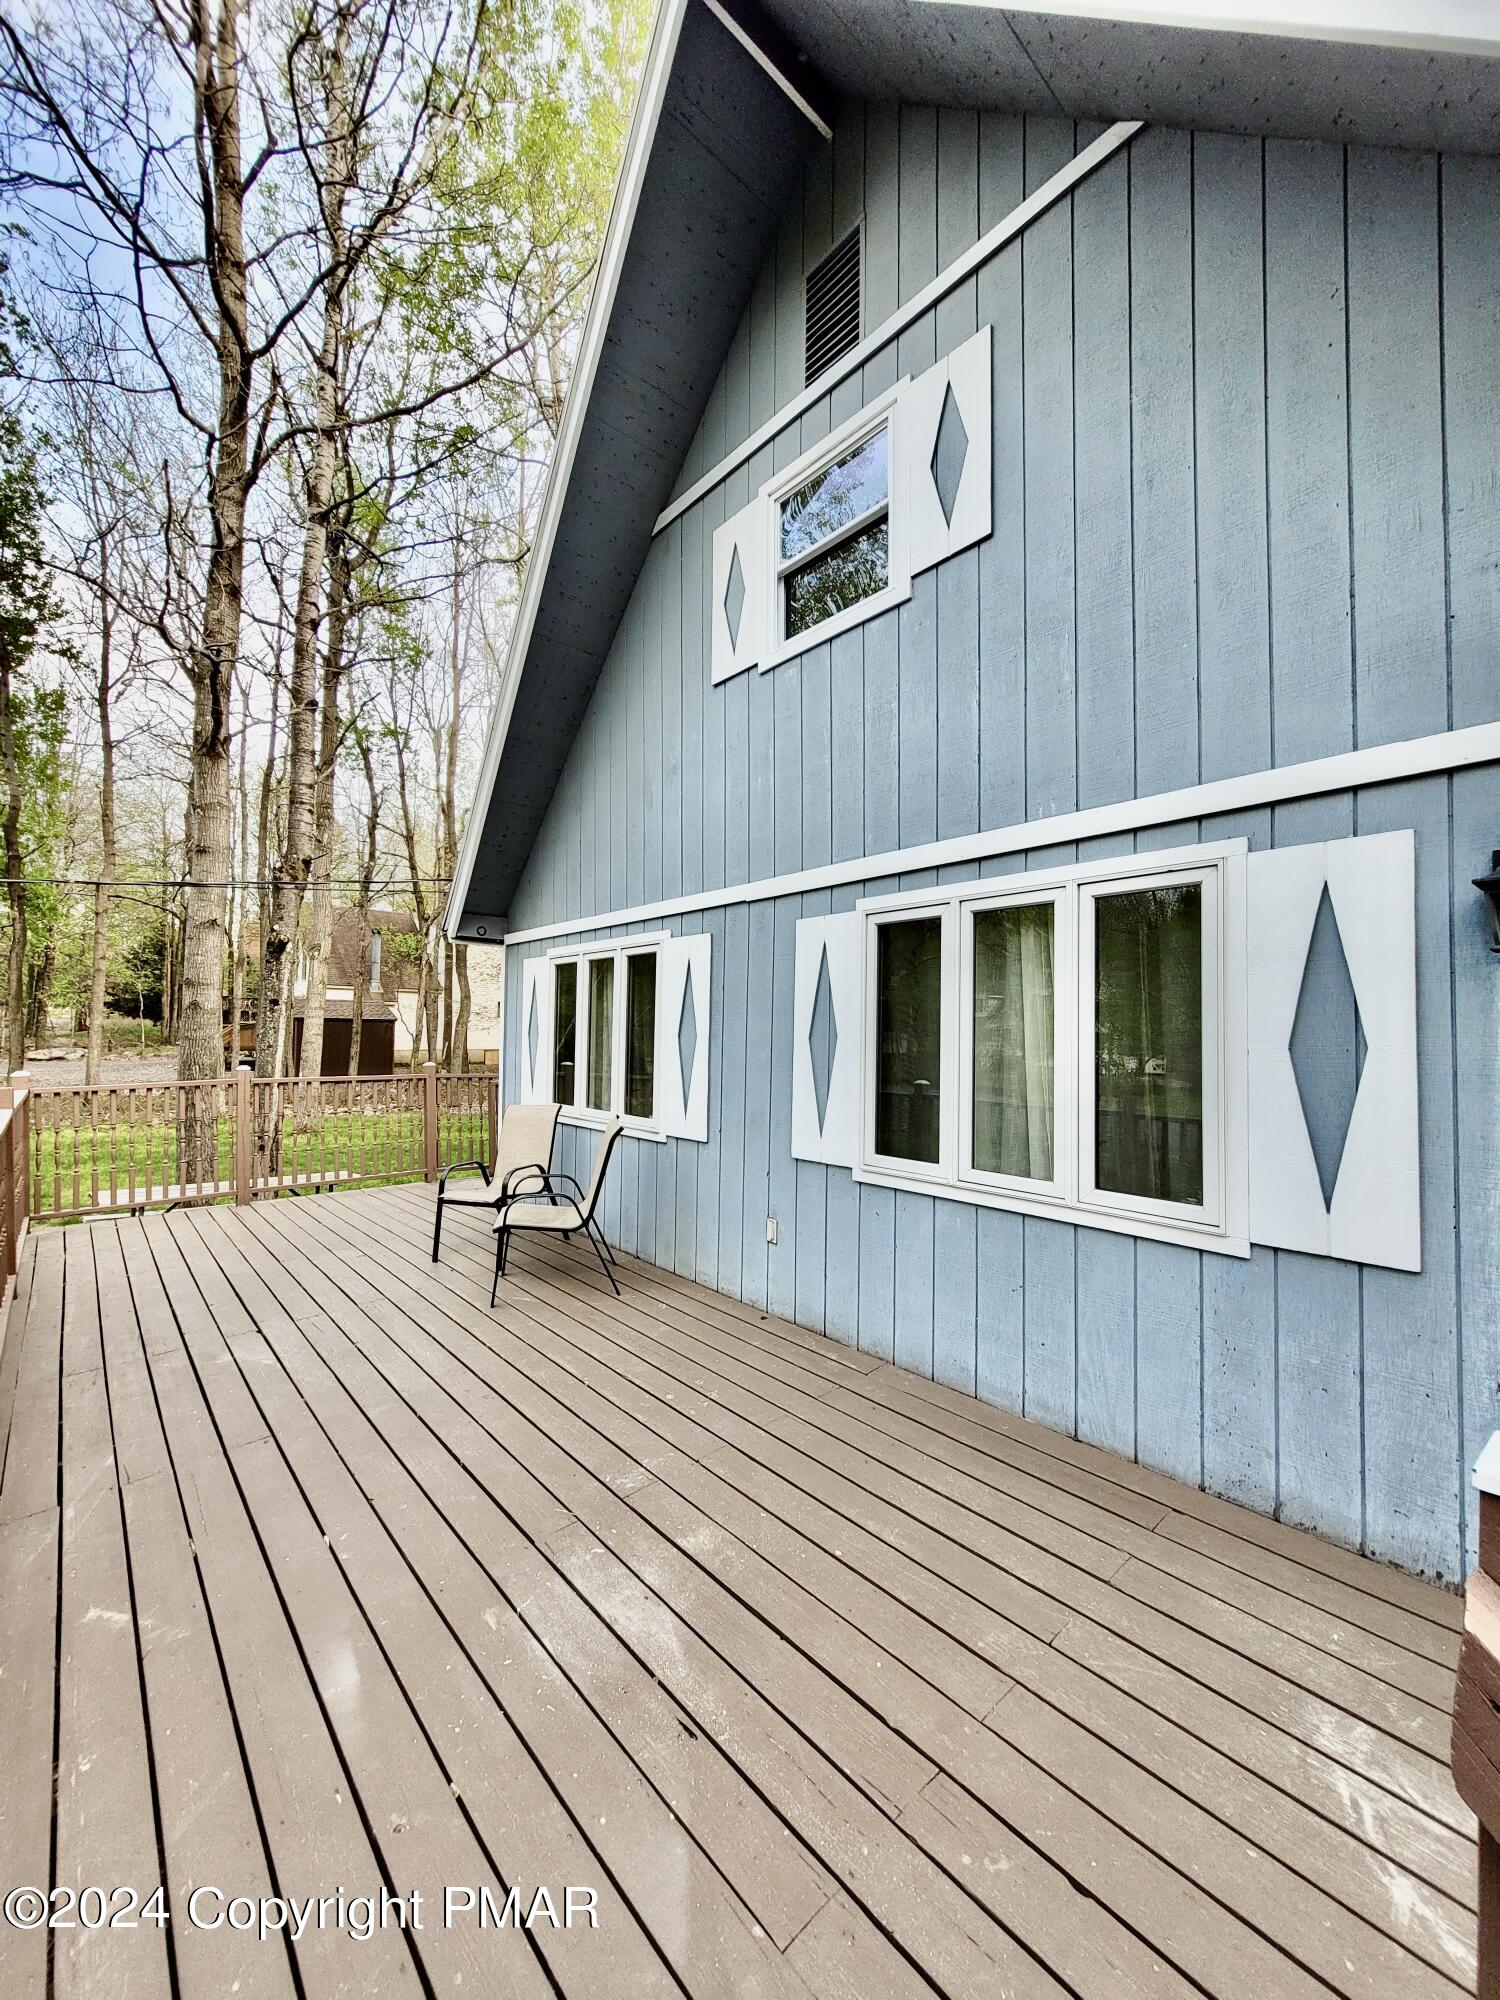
x,y
1013,1041
601,1031
1149,1043
640,1034
565,1033
908,1031
834,497
830,583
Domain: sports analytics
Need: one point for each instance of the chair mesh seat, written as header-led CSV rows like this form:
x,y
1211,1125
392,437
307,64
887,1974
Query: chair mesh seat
x,y
540,1215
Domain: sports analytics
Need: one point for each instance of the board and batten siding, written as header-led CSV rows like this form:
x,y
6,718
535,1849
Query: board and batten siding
x,y
1246,513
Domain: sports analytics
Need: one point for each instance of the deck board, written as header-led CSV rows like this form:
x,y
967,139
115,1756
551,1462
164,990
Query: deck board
x,y
830,1681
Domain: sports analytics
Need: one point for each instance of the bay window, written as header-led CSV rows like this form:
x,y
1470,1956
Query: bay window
x,y
1058,1043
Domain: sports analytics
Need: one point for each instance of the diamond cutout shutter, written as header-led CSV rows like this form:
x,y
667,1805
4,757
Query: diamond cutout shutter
x,y
1332,963
944,432
682,1038
536,1030
826,1027
738,600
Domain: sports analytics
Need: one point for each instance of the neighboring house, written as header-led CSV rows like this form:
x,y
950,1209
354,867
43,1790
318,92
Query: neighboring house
x,y
384,981
1003,720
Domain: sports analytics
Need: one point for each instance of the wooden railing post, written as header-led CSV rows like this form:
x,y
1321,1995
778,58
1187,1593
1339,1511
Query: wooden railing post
x,y
244,1134
19,1140
492,1094
429,1121
1476,1714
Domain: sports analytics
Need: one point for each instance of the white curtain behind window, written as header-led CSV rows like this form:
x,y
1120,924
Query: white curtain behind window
x,y
1013,1041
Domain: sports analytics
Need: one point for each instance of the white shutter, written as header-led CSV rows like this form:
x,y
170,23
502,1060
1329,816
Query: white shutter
x,y
682,969
945,453
536,1030
1374,1214
737,613
826,1030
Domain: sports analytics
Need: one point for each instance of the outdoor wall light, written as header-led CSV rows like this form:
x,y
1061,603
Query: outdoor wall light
x,y
1490,884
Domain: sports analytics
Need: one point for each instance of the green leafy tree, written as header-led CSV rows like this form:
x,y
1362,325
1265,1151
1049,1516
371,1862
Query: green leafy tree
x,y
27,607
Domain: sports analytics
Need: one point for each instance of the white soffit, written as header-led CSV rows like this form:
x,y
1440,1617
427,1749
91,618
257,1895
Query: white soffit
x,y
1459,27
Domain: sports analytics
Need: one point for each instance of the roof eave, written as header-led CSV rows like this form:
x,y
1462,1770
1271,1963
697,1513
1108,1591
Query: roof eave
x,y
655,75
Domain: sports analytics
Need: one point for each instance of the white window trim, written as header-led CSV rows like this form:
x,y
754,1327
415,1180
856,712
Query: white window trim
x,y
1222,1223
1209,1213
919,1172
876,415
578,1112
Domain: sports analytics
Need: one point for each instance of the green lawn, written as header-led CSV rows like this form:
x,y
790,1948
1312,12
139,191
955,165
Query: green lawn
x,y
72,1166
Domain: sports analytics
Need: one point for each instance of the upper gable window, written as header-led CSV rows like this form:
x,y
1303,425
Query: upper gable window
x,y
834,536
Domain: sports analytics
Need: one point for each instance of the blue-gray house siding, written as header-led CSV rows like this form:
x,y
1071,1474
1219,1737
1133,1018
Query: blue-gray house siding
x,y
1247,511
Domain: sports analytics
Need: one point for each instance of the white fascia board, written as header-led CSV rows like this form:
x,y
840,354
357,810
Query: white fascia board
x,y
638,146
1449,27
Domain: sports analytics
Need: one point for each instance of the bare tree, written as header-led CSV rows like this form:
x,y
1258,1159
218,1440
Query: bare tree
x,y
320,928
369,855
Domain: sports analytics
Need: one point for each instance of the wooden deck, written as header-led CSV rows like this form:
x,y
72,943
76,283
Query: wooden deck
x,y
317,1574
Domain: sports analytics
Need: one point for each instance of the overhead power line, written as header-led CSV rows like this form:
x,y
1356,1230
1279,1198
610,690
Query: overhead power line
x,y
190,882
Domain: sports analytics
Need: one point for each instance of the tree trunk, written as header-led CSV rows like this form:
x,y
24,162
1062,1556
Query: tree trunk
x,y
458,1055
200,1049
443,953
40,1006
366,883
424,981
448,798
427,1011
361,980
296,863
431,996
320,930
15,887
237,942
99,950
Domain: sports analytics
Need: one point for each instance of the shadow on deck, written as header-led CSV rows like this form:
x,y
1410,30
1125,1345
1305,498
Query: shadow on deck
x,y
319,1575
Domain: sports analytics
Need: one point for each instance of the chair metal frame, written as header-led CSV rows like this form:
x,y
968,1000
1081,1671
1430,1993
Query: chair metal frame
x,y
487,1200
586,1203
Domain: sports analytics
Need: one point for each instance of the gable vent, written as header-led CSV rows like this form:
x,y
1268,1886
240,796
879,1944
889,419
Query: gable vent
x,y
833,306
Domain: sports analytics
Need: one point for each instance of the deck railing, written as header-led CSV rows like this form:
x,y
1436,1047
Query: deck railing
x,y
15,1187
98,1149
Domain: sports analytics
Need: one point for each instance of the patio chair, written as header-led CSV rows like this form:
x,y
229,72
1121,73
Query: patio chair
x,y
543,1208
524,1144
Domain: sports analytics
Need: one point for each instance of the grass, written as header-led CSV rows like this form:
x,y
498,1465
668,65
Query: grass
x,y
68,1162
